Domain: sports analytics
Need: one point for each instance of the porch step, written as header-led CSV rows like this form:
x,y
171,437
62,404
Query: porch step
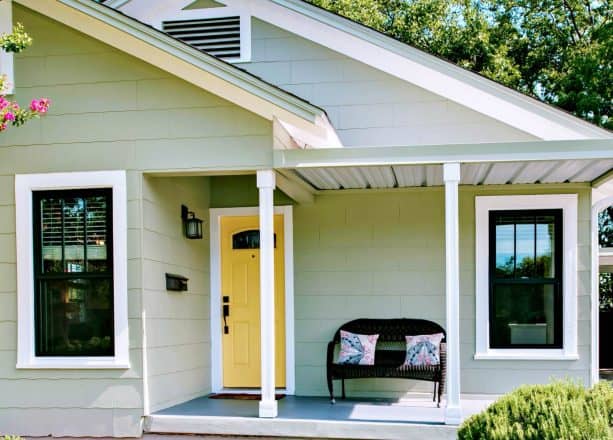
x,y
305,428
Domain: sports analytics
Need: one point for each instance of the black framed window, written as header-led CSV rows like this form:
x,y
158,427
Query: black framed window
x,y
73,272
525,273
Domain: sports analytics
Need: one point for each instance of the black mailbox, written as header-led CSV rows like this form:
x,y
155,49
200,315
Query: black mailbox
x,y
176,283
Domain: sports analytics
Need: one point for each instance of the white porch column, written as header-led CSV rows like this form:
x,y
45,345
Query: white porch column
x,y
451,176
266,186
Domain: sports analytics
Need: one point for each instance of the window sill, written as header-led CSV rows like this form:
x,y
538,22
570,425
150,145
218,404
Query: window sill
x,y
77,363
526,355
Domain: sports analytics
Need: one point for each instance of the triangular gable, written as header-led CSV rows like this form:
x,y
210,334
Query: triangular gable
x,y
211,74
412,65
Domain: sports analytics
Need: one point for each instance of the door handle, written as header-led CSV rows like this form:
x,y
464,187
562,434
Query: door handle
x,y
226,313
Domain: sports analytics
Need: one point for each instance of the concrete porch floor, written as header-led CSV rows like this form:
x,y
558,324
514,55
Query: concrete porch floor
x,y
315,417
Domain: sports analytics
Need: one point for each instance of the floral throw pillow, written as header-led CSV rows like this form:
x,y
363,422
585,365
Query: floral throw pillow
x,y
423,349
357,349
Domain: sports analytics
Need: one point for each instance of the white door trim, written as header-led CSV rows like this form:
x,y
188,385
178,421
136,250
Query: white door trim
x,y
216,348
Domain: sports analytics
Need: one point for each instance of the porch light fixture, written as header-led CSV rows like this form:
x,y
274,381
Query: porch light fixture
x,y
191,224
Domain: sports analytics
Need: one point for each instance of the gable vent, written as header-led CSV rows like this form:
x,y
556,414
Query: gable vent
x,y
220,37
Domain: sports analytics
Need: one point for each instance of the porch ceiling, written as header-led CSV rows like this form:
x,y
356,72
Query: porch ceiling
x,y
485,173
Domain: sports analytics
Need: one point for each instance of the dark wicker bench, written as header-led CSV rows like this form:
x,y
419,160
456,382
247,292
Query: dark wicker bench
x,y
389,354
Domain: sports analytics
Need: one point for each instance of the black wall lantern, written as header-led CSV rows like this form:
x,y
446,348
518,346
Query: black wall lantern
x,y
191,224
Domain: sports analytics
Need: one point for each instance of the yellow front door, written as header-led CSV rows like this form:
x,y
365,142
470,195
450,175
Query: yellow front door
x,y
240,290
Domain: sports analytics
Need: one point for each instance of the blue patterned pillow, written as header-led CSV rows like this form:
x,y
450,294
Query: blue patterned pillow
x,y
423,349
357,349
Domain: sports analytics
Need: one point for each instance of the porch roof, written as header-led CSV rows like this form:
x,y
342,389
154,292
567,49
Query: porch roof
x,y
481,164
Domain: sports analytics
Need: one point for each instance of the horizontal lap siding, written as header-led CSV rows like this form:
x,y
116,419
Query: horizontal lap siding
x,y
66,402
506,375
377,255
381,255
177,323
111,111
365,105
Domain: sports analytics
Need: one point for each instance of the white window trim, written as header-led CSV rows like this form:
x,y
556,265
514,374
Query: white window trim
x,y
216,348
7,59
221,12
25,184
568,204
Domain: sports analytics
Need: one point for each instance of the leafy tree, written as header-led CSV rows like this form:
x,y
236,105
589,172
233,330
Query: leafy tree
x,y
10,111
559,51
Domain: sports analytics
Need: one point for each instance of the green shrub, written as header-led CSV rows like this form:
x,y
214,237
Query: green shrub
x,y
10,437
561,410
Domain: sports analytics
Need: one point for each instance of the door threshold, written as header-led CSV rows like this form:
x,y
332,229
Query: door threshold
x,y
248,391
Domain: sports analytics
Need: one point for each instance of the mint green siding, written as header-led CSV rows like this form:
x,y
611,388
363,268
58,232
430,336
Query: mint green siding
x,y
380,254
357,253
237,191
177,323
111,111
367,106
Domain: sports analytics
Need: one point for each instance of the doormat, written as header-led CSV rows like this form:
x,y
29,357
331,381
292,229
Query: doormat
x,y
241,396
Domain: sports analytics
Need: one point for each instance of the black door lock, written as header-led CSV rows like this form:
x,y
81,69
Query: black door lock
x,y
226,313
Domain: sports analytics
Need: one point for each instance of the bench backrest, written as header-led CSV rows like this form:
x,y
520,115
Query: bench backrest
x,y
390,330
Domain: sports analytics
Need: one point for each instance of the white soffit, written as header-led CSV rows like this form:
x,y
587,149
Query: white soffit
x,y
497,173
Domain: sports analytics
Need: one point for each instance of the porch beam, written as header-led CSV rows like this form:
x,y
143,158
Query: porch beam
x,y
451,177
436,154
291,185
266,186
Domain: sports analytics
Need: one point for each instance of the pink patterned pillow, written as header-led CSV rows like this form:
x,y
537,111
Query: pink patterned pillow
x,y
357,349
423,349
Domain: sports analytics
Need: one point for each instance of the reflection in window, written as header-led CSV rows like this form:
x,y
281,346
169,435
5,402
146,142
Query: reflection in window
x,y
74,273
525,280
524,246
248,239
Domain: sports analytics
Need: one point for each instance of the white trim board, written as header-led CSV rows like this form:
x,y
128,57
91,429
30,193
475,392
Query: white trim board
x,y
216,348
25,184
568,204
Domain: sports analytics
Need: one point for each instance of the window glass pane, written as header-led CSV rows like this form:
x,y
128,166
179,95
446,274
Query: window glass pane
x,y
545,245
51,234
524,245
249,239
97,234
523,315
74,235
75,318
505,245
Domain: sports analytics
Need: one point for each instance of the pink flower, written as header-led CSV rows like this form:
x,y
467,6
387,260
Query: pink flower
x,y
40,105
3,126
9,116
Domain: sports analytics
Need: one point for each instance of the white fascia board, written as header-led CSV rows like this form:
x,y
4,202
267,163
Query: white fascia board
x,y
422,69
181,60
436,154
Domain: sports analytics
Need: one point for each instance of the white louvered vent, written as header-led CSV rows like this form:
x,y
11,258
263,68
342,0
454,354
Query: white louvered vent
x,y
220,37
